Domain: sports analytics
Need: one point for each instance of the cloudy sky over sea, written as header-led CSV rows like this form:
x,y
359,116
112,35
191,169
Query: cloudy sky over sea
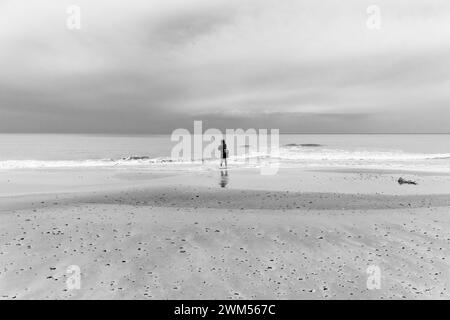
x,y
155,65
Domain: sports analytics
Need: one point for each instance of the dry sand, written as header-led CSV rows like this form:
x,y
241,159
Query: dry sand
x,y
182,236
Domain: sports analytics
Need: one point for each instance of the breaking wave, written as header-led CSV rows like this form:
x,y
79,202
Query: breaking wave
x,y
301,155
93,163
297,153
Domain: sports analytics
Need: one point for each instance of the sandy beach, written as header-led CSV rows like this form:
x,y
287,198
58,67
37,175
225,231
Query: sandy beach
x,y
332,120
169,234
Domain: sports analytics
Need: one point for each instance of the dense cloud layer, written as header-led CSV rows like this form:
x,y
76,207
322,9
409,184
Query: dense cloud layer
x,y
149,66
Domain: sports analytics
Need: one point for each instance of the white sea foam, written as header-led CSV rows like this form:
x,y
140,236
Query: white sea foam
x,y
287,156
296,153
42,164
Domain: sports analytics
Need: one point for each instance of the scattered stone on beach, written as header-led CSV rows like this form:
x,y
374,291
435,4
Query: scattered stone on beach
x,y
403,181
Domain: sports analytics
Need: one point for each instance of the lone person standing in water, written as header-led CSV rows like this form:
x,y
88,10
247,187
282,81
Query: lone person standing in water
x,y
223,153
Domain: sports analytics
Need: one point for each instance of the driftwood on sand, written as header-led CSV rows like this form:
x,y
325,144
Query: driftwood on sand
x,y
403,181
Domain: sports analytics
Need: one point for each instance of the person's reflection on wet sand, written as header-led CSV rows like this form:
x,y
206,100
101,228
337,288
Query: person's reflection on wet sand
x,y
223,178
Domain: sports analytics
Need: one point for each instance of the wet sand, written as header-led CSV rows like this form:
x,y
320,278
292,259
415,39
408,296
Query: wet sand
x,y
184,236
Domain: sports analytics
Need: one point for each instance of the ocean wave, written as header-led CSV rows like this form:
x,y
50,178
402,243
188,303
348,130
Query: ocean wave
x,y
290,155
302,145
93,163
336,155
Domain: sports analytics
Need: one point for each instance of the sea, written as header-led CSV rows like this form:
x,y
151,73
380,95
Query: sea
x,y
419,152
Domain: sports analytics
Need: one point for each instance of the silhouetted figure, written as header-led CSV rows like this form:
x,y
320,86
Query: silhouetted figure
x,y
223,153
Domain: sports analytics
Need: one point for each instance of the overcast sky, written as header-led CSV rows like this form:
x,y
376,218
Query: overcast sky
x,y
150,66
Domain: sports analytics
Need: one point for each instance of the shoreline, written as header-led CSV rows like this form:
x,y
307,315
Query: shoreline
x,y
288,189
